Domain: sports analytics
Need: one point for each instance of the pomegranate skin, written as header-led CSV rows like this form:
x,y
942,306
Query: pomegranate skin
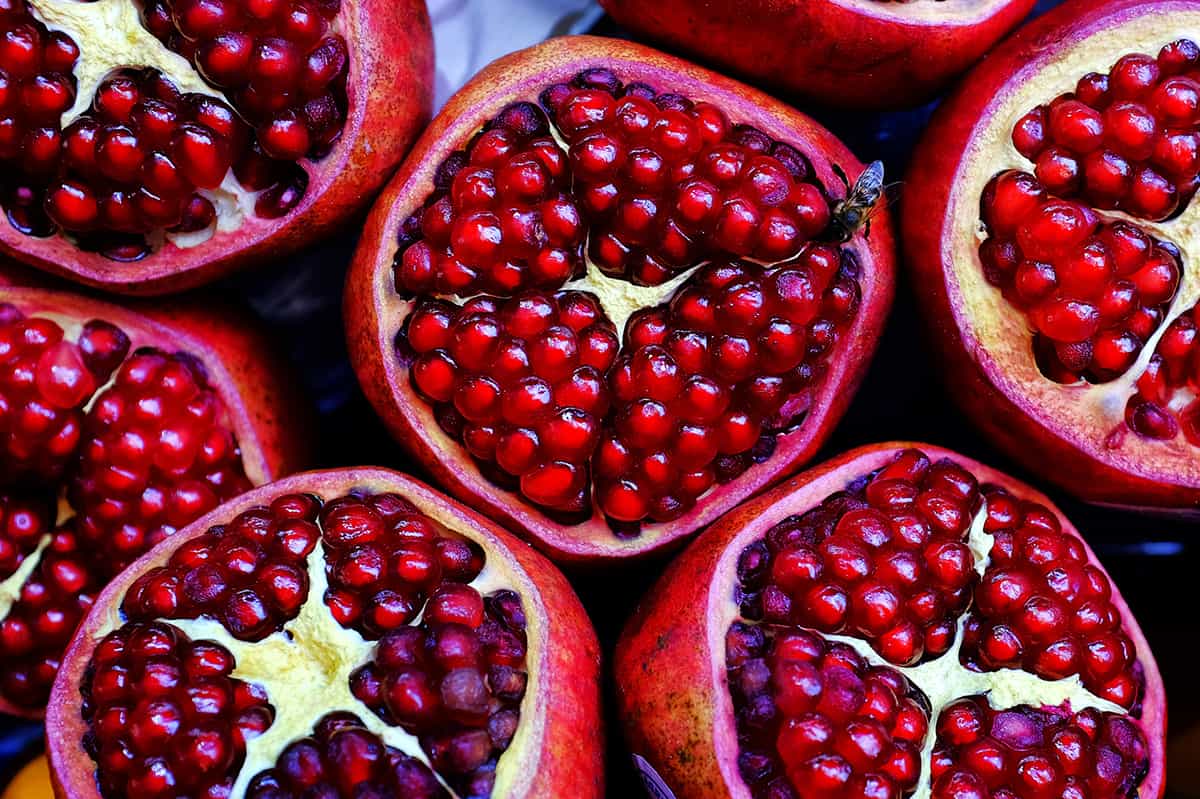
x,y
390,94
243,368
372,318
846,53
562,749
1032,423
672,690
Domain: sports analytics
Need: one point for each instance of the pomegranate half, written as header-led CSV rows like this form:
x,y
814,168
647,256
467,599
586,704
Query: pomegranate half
x,y
346,634
147,147
899,621
118,425
611,294
846,53
1050,228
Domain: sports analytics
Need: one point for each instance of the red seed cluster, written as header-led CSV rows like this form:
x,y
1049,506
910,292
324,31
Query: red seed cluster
x,y
52,601
899,535
666,182
887,562
815,720
44,383
250,574
344,760
501,219
279,61
1093,291
1042,607
456,681
152,452
1128,140
158,453
165,717
141,159
536,383
1173,369
1024,752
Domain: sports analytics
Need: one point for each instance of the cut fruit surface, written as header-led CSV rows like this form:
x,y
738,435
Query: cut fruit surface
x,y
898,622
344,634
609,297
150,147
1058,271
117,428
848,53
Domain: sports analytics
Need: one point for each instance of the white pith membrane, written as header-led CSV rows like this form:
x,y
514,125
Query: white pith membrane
x,y
110,36
305,669
620,298
1000,328
944,680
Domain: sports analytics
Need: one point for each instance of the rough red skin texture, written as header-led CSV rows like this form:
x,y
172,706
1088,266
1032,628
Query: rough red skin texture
x,y
970,371
258,391
849,53
670,661
390,92
565,757
372,317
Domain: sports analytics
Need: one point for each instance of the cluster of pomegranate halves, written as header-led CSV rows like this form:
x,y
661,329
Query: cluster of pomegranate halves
x,y
612,304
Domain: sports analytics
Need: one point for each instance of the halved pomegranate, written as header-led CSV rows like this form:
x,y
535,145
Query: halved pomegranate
x,y
347,634
611,294
900,621
846,53
118,426
151,146
1051,227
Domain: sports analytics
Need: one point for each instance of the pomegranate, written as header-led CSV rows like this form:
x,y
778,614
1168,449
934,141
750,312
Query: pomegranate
x,y
846,53
1049,229
118,426
195,136
899,621
611,294
346,634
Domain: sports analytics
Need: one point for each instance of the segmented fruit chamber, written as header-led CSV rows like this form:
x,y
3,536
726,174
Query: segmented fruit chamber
x,y
1088,238
920,634
340,646
617,298
110,440
125,126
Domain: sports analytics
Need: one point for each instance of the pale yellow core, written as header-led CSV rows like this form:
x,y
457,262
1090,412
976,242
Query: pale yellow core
x,y
110,36
1000,326
305,670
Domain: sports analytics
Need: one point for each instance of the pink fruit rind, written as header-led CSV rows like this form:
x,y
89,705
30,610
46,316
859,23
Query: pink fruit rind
x,y
374,313
1130,472
563,745
672,692
390,92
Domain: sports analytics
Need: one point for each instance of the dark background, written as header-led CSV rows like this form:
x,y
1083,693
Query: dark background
x,y
1149,558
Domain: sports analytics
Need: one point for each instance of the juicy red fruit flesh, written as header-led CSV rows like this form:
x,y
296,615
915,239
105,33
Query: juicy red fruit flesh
x,y
890,562
145,157
138,443
530,374
447,664
1095,288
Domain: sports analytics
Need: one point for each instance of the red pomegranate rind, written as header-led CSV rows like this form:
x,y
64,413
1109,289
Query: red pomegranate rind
x,y
1112,411
169,431
861,53
556,749
574,527
330,93
674,693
